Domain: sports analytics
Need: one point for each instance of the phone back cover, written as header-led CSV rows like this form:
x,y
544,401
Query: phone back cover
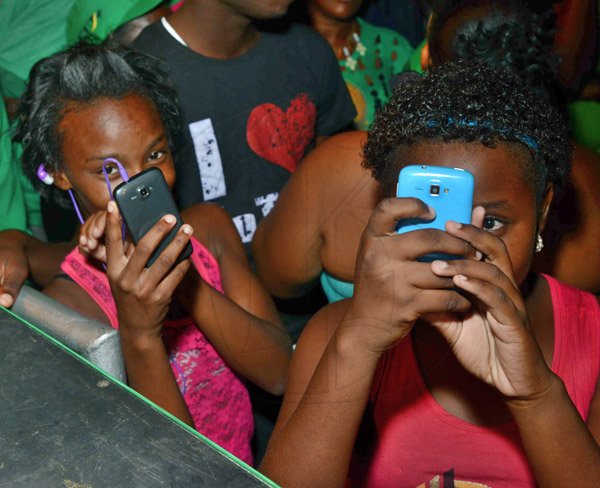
x,y
141,214
454,201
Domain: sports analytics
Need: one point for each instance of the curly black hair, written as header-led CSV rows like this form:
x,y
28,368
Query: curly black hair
x,y
83,74
470,101
500,32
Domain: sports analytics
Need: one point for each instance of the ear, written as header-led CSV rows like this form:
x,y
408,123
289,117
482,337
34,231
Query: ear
x,y
61,180
545,208
425,58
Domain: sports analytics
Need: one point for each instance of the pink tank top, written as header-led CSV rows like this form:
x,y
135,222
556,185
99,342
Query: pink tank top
x,y
216,398
419,444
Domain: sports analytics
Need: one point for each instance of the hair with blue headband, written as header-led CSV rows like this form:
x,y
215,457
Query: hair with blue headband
x,y
471,101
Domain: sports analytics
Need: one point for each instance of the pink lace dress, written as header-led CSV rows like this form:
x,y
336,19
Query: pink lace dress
x,y
216,398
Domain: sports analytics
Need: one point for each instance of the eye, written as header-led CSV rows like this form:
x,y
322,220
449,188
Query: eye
x,y
157,155
492,223
111,170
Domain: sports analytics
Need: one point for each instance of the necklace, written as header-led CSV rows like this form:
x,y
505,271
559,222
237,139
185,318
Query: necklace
x,y
359,47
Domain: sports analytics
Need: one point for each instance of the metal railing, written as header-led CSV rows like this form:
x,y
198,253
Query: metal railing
x,y
97,342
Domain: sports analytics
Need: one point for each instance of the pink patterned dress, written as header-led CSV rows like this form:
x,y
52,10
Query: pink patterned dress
x,y
216,398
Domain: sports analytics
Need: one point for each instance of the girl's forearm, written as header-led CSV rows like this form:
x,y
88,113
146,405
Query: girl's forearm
x,y
315,445
254,348
560,448
149,373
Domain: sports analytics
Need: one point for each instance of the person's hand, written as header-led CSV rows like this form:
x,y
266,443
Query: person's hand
x,y
91,236
143,295
493,340
391,288
14,266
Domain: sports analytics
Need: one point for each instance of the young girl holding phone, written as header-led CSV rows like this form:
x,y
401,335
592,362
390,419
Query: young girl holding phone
x,y
471,371
189,336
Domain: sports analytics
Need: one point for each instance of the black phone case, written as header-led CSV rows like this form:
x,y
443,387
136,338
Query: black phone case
x,y
143,201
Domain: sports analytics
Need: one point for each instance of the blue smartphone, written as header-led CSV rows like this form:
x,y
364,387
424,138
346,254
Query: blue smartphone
x,y
448,190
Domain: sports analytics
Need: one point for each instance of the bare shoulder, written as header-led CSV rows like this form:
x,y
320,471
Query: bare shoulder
x,y
335,168
213,228
337,151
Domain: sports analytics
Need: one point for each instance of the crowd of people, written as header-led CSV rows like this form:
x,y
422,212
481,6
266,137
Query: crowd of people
x,y
281,128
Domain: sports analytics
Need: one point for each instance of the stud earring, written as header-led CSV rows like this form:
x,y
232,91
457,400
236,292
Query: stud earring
x,y
539,243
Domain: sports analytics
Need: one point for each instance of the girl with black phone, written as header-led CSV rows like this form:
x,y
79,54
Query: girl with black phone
x,y
192,332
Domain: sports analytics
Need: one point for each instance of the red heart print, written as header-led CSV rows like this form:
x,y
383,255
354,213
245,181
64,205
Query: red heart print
x,y
282,137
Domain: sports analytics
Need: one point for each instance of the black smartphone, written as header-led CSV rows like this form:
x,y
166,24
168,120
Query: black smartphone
x,y
143,201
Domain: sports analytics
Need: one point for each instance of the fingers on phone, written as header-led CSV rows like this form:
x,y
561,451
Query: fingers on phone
x,y
143,250
170,254
467,273
165,270
113,238
424,242
390,210
488,245
150,242
477,216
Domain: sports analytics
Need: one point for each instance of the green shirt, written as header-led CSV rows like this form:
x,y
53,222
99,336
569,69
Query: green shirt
x,y
368,83
13,185
34,29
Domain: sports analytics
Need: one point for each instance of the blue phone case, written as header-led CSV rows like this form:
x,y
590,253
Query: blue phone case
x,y
448,190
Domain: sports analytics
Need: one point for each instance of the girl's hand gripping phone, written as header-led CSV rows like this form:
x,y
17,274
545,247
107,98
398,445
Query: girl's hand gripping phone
x,y
493,339
392,287
143,294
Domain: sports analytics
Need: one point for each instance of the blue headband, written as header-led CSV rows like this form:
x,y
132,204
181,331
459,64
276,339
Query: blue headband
x,y
529,141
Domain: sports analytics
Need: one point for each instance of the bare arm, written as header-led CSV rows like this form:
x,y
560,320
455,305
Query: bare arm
x,y
328,389
146,360
288,243
242,324
552,427
23,256
560,448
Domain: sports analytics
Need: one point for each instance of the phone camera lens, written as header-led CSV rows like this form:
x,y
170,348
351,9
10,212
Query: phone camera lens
x,y
434,189
144,192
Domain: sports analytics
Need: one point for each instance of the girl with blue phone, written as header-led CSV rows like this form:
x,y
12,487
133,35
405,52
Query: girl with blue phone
x,y
455,372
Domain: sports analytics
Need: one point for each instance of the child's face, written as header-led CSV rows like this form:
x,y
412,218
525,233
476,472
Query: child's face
x,y
501,187
128,129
